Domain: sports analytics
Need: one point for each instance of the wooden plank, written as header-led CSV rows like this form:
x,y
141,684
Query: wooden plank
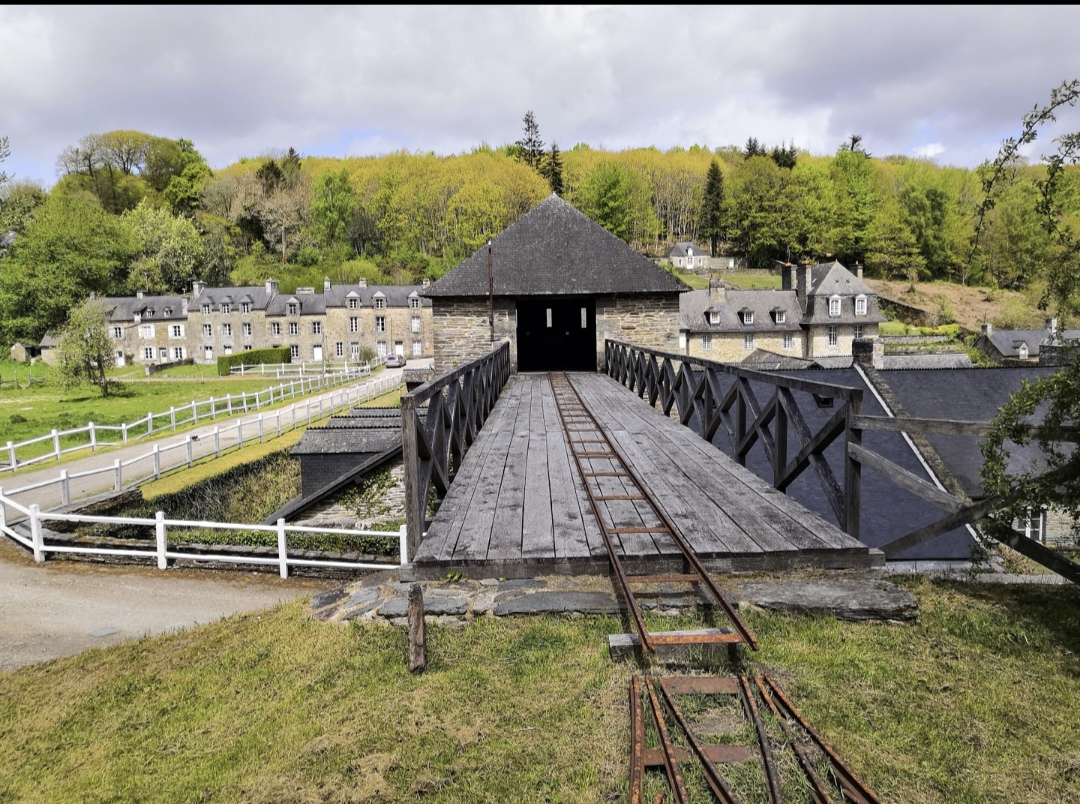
x,y
538,533
905,479
507,528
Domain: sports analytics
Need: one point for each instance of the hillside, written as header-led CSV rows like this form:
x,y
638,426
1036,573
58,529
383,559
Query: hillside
x,y
967,306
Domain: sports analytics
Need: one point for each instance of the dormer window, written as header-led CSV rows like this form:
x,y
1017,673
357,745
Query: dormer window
x,y
779,316
353,302
748,316
380,302
860,305
245,307
206,309
834,306
168,312
714,316
414,303
292,308
149,312
226,308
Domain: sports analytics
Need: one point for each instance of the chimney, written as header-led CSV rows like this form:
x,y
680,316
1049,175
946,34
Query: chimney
x,y
858,270
362,282
197,287
801,278
425,282
869,352
326,284
787,276
271,287
138,295
717,292
1050,325
183,304
987,329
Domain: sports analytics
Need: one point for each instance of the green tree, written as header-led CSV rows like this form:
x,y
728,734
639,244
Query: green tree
x,y
712,206
5,152
84,348
618,199
333,201
553,169
530,146
170,251
891,245
854,173
762,211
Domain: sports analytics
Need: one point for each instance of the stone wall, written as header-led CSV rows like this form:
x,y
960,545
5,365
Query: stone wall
x,y
363,508
646,320
729,347
462,332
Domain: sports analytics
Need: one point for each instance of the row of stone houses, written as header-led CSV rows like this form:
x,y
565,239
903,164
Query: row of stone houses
x,y
338,324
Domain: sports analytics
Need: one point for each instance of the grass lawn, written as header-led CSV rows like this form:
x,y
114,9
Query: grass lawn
x,y
972,703
754,281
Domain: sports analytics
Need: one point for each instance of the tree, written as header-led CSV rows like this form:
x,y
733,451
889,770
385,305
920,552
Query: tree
x,y
84,348
170,251
712,206
5,152
333,200
753,148
891,245
762,211
784,156
553,169
530,145
618,199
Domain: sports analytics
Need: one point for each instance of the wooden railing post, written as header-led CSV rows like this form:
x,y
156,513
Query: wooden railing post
x,y
415,496
852,470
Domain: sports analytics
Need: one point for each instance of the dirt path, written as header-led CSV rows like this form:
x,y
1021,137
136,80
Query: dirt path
x,y
61,608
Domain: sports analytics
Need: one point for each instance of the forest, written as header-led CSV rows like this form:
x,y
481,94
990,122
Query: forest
x,y
132,211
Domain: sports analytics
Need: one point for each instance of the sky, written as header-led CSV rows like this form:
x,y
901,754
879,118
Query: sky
x,y
946,83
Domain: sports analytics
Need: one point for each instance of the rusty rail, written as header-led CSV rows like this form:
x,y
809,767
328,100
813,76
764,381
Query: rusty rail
x,y
589,441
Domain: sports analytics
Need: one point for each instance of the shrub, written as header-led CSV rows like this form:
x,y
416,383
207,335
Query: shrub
x,y
273,354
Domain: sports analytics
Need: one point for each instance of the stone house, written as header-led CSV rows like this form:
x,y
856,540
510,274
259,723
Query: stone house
x,y
688,256
1021,345
819,312
148,329
555,285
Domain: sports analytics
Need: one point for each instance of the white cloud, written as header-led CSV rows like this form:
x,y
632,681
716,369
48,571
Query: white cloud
x,y
930,150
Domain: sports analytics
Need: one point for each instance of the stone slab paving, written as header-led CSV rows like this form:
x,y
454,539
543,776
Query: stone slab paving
x,y
859,596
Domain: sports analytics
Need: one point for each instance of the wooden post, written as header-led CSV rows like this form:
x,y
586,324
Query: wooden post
x,y
417,655
415,495
852,470
159,534
35,534
116,475
283,552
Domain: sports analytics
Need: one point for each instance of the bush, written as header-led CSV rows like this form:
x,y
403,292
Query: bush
x,y
273,354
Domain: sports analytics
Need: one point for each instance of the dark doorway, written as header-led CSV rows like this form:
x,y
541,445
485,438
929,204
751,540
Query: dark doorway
x,y
556,334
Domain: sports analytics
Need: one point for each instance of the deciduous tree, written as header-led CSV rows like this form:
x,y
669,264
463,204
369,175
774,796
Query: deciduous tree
x,y
84,348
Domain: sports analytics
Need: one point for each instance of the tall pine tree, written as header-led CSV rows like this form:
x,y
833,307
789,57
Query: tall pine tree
x,y
552,169
711,224
532,147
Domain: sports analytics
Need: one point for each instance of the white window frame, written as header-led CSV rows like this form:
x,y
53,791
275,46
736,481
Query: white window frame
x,y
714,316
226,308
781,317
380,323
786,341
207,330
208,352
417,348
226,330
118,333
294,350
292,308
226,349
176,331
414,303
706,341
339,349
178,352
748,341
148,353
294,329
414,324
146,330
857,331
316,327
353,302
246,329
206,309
834,306
860,305
354,324
380,303
748,316
833,335
245,307
275,327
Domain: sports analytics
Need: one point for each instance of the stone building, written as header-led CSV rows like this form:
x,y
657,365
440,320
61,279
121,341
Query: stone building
x,y
555,285
819,312
338,324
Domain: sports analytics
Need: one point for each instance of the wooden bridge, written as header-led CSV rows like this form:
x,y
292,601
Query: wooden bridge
x,y
518,506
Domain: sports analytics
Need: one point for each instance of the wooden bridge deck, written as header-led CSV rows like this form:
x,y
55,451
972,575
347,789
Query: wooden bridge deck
x,y
517,507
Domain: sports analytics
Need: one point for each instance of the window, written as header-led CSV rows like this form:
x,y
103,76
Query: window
x,y
176,331
414,324
294,328
206,309
227,349
178,353
399,348
207,330
856,331
781,316
706,342
208,353
678,261
748,316
380,302
339,349
353,302
414,303
834,306
248,346
714,316
294,350
118,332
168,312
682,340
119,357
148,353
148,313
354,350
748,341
860,305
380,348
833,336
1033,526
292,308
380,323
226,308
163,352
354,324
245,307
316,327
226,330
786,340
417,348
246,327
146,330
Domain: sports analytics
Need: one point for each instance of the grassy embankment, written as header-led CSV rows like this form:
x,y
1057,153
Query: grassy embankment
x,y
972,703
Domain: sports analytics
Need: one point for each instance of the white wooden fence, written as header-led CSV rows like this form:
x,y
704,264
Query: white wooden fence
x,y
191,413
161,552
304,368
68,486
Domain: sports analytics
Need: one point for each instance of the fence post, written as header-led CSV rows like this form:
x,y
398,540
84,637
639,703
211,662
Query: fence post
x,y
213,409
116,475
228,404
277,419
194,412
217,443
403,544
188,450
11,455
159,533
149,423
56,443
157,461
35,534
172,416
283,555
93,436
260,428
3,510
65,488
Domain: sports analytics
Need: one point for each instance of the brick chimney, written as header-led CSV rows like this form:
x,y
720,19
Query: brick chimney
x,y
717,291
362,282
803,281
1050,325
425,282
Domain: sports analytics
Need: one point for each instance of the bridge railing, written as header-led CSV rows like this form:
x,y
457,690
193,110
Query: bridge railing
x,y
708,395
458,403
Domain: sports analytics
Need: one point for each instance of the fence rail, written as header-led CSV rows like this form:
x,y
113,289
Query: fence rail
x,y
69,486
433,446
33,517
100,435
306,369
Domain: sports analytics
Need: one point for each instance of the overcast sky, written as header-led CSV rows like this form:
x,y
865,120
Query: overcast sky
x,y
947,83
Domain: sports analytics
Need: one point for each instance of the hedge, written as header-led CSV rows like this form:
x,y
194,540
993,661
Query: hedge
x,y
250,357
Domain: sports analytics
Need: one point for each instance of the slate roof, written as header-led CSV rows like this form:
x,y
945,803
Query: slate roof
x,y
764,360
395,295
829,279
555,250
694,305
973,394
361,430
835,361
151,308
1007,341
950,360
680,248
256,295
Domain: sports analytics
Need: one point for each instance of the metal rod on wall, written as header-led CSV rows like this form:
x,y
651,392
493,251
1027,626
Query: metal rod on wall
x,y
491,302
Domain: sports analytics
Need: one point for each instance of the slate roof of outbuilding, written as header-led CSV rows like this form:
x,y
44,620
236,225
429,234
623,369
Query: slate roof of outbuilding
x,y
555,250
956,360
694,304
680,248
1007,341
764,360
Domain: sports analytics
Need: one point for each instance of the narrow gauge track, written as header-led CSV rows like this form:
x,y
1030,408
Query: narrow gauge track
x,y
609,478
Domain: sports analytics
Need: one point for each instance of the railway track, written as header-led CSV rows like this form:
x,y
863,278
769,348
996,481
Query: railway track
x,y
624,508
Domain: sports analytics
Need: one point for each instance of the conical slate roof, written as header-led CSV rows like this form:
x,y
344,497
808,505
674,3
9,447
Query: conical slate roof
x,y
553,249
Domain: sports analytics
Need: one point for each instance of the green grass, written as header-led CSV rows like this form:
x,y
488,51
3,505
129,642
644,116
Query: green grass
x,y
754,281
972,703
696,281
